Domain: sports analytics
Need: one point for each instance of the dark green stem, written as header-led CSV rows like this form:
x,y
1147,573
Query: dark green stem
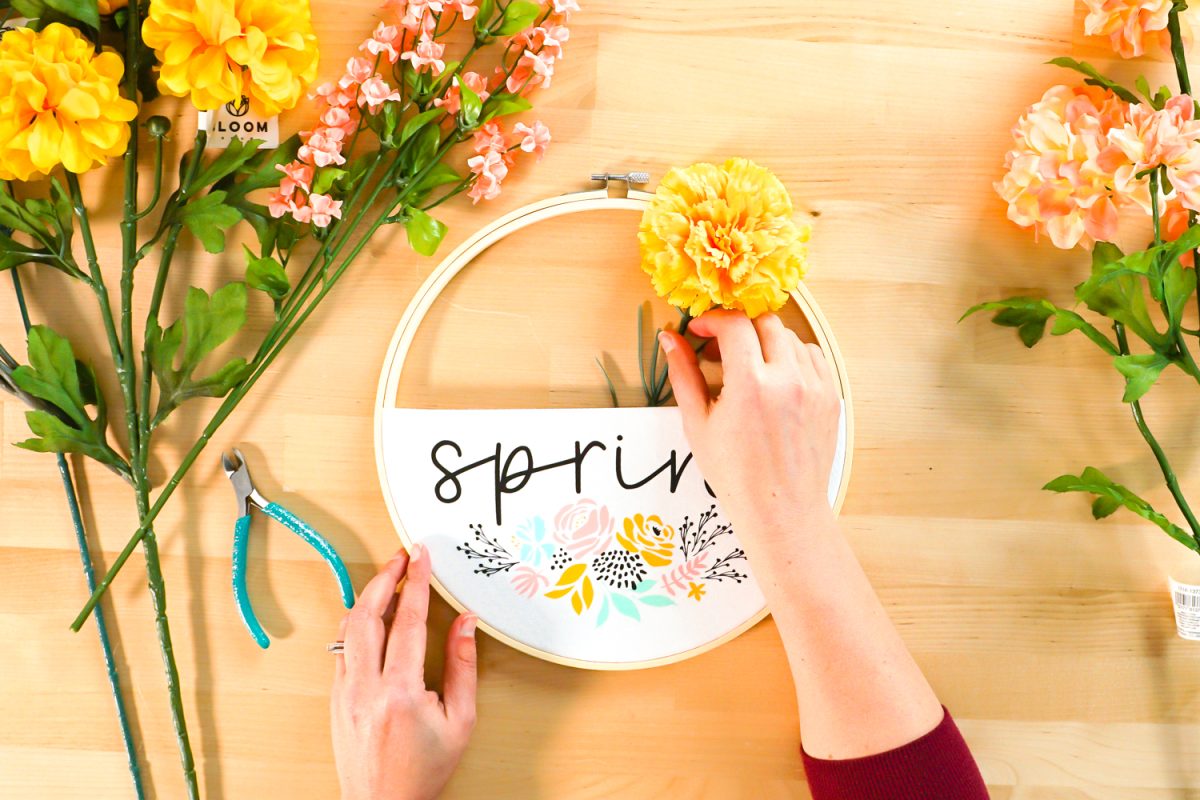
x,y
89,574
1178,52
1164,464
158,179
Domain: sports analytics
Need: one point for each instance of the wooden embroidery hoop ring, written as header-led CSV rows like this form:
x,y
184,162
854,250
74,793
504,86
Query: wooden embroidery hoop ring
x,y
464,254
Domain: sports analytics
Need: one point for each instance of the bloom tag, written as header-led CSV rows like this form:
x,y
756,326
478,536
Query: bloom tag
x,y
235,121
1186,599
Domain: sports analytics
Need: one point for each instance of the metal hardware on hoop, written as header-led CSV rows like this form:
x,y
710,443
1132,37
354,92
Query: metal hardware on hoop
x,y
630,179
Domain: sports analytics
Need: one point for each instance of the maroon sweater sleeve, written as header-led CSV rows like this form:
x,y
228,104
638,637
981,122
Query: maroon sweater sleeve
x,y
938,765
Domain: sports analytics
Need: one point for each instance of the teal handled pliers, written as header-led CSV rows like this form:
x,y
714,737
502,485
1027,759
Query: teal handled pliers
x,y
248,497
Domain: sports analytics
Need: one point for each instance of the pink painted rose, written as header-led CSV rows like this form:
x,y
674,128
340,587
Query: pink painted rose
x,y
527,581
583,529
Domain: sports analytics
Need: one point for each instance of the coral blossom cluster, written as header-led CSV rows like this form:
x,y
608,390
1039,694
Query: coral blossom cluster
x,y
1081,155
1130,25
411,40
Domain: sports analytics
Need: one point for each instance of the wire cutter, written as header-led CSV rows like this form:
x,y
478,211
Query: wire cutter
x,y
248,497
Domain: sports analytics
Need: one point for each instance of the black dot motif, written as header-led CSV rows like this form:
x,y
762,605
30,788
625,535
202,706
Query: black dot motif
x,y
560,559
619,568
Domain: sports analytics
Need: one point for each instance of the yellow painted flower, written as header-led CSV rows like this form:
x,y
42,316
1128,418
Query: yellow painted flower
x,y
723,236
648,537
217,51
60,103
110,6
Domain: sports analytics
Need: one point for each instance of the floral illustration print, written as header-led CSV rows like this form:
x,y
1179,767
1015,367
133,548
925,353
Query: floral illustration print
x,y
649,538
601,567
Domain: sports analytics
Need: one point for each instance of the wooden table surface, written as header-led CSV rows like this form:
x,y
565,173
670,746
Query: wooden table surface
x,y
1048,635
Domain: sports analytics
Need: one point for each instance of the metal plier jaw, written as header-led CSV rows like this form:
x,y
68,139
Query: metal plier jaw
x,y
247,498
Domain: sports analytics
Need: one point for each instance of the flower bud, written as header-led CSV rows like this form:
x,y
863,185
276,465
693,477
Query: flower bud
x,y
158,126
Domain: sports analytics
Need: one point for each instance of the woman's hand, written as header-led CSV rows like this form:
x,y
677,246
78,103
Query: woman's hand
x,y
392,737
766,444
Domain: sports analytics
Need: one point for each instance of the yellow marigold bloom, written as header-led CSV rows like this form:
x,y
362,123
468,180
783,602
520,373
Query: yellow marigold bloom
x,y
723,236
217,51
60,103
109,6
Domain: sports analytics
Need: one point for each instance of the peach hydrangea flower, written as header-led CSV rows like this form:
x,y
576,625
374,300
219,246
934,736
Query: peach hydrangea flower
x,y
1159,138
1057,181
1130,25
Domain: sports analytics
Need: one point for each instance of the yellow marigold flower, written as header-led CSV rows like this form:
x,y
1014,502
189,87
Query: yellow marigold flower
x,y
723,236
60,103
217,51
107,7
648,537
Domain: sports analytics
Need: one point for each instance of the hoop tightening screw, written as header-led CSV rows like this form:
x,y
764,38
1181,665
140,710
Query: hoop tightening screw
x,y
630,178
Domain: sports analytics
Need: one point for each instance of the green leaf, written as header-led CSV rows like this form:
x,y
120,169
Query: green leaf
x,y
267,275
657,600
424,232
423,149
207,322
440,175
260,172
326,177
86,11
483,17
1093,481
418,122
1140,371
1179,284
504,104
67,386
471,105
1029,316
518,15
1117,290
625,606
1095,78
208,217
52,374
1104,505
236,154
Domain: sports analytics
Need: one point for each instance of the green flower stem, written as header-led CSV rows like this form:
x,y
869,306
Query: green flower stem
x,y
89,574
1164,464
1178,52
231,401
158,179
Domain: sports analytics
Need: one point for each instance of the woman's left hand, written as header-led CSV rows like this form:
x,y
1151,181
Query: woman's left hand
x,y
392,737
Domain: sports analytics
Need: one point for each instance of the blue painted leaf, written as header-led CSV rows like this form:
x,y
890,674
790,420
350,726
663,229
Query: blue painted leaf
x,y
658,600
602,617
626,606
644,586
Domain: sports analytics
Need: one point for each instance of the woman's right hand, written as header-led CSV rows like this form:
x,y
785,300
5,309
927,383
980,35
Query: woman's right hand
x,y
766,444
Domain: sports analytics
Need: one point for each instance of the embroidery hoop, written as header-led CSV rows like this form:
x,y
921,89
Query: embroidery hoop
x,y
465,254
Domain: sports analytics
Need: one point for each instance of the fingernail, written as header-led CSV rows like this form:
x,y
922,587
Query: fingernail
x,y
667,342
414,553
468,626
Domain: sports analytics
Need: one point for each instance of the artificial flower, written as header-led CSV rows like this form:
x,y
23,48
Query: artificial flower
x,y
648,537
1130,25
452,100
60,103
533,139
375,92
324,209
1151,138
1061,174
723,236
583,529
216,51
382,42
107,7
489,170
427,53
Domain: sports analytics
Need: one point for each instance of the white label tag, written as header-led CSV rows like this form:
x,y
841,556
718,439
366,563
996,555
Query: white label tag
x,y
1186,599
234,121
